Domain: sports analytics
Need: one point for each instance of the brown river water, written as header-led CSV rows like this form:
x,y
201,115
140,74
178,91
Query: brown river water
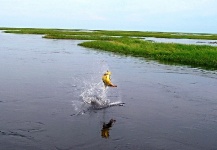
x,y
46,87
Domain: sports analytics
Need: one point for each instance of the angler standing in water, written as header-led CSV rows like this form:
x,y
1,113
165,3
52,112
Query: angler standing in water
x,y
106,78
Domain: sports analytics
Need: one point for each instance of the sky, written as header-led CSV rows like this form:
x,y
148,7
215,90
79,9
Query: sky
x,y
195,16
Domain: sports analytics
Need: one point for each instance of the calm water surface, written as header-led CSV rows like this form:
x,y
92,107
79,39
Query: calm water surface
x,y
43,85
183,41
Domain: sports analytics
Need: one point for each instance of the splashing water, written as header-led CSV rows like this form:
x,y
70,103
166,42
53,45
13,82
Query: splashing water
x,y
93,94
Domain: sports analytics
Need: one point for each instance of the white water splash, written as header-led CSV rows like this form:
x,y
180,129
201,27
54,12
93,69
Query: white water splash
x,y
93,93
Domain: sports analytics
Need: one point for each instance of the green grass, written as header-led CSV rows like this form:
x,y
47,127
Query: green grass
x,y
139,34
125,42
78,37
193,55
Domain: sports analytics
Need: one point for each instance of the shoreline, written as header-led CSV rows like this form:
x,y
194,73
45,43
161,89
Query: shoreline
x,y
130,43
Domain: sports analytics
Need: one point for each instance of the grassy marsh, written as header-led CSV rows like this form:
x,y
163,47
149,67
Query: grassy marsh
x,y
194,55
139,34
128,43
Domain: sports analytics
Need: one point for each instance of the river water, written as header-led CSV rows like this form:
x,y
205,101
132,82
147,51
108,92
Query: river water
x,y
45,85
183,41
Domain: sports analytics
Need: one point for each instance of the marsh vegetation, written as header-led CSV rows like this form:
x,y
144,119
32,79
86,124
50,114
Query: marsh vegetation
x,y
130,43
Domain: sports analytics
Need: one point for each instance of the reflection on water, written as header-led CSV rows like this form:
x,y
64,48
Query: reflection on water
x,y
106,127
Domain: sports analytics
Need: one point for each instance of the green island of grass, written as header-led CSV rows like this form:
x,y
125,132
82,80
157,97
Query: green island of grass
x,y
131,43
